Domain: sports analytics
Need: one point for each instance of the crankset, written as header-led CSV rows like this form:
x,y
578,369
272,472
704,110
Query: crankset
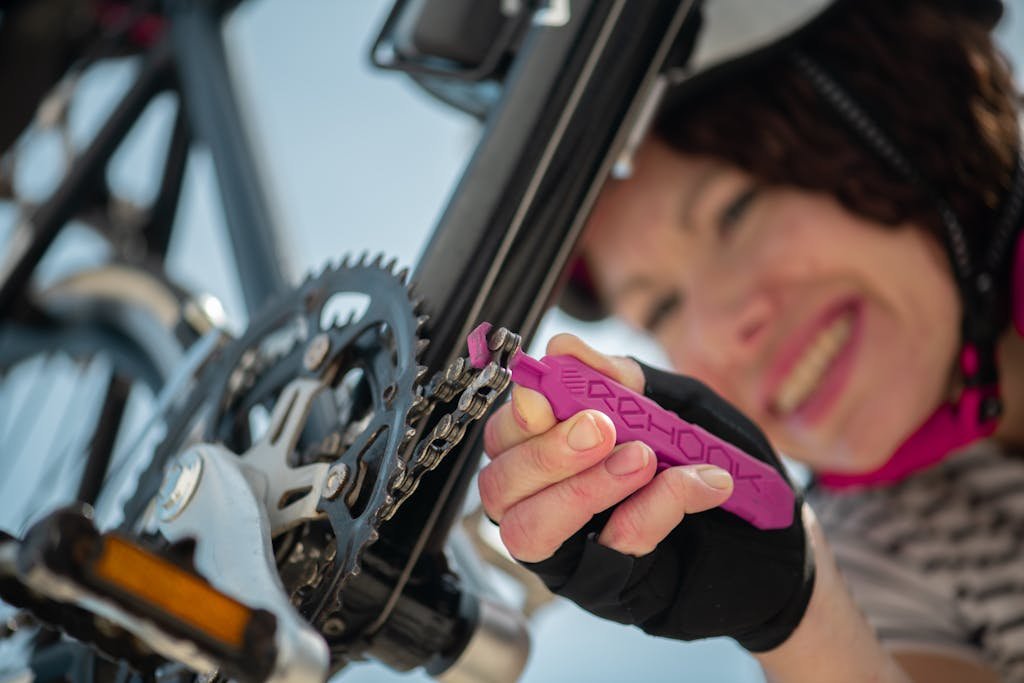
x,y
278,469
332,423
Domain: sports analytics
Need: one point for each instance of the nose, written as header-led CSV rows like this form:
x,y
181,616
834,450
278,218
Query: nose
x,y
724,333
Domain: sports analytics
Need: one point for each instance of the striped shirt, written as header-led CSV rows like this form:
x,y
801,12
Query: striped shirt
x,y
936,562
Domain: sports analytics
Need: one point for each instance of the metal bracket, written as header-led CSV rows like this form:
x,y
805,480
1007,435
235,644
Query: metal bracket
x,y
290,494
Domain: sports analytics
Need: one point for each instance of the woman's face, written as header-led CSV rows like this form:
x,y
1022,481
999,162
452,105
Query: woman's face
x,y
835,334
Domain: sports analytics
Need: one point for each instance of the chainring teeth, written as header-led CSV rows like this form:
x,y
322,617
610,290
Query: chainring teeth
x,y
230,385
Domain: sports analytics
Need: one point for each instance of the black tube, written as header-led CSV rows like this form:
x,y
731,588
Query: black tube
x,y
262,261
84,179
101,447
160,221
511,224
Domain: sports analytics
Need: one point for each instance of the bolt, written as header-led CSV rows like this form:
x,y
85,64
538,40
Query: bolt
x,y
333,627
331,443
336,477
316,352
179,485
388,395
168,489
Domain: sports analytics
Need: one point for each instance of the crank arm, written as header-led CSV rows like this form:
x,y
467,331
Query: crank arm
x,y
206,498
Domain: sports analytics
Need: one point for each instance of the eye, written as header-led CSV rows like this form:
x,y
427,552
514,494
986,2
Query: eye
x,y
663,308
735,210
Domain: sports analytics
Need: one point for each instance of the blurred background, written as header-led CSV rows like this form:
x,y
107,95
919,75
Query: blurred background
x,y
355,159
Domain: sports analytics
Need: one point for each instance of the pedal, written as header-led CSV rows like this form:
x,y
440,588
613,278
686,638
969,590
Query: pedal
x,y
134,603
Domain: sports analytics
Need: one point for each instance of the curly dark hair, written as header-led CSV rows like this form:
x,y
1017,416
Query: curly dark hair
x,y
930,76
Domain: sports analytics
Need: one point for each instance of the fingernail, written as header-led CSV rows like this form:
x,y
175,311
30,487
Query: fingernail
x,y
715,477
517,413
627,460
527,406
585,433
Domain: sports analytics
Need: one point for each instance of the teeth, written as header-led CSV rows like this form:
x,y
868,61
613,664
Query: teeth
x,y
803,379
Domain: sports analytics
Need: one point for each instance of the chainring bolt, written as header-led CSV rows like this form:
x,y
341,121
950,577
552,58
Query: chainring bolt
x,y
336,477
316,352
331,443
333,627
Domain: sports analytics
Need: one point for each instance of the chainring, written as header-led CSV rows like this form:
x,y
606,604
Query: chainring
x,y
364,421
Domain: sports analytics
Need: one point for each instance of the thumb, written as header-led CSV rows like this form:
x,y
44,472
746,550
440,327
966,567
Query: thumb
x,y
625,371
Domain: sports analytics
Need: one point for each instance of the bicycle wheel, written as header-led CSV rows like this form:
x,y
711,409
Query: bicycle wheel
x,y
78,377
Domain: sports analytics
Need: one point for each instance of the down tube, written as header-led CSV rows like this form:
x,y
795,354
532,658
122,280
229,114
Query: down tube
x,y
510,226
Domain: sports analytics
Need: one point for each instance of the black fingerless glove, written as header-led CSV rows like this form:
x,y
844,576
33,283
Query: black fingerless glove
x,y
715,574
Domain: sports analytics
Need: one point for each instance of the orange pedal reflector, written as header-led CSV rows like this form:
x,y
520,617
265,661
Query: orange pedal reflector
x,y
172,590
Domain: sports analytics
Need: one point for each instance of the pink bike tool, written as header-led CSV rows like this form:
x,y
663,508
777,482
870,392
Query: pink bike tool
x,y
760,493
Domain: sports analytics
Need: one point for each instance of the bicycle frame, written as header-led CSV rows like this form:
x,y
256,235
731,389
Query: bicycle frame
x,y
574,94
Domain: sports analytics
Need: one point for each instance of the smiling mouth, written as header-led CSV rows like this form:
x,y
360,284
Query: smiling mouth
x,y
806,375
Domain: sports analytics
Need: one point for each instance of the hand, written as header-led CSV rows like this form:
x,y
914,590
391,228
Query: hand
x,y
548,479
598,525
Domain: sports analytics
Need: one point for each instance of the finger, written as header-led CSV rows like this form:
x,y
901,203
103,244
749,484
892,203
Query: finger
x,y
637,525
526,415
559,453
534,529
529,413
625,371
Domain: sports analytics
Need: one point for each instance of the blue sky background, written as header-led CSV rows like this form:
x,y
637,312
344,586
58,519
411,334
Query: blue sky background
x,y
358,159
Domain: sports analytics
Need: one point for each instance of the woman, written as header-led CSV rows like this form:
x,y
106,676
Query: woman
x,y
825,239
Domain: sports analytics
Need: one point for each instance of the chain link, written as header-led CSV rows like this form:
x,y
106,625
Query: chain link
x,y
477,391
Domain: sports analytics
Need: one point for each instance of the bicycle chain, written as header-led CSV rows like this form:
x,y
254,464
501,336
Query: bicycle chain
x,y
479,391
